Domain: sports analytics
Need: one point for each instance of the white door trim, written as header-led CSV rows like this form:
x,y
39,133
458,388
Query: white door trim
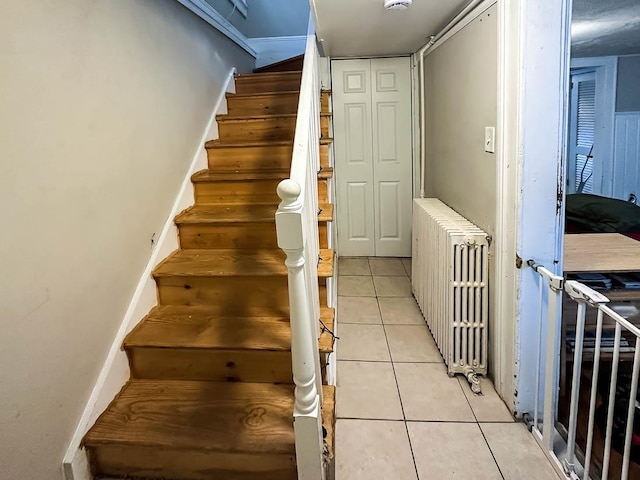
x,y
606,83
373,140
533,72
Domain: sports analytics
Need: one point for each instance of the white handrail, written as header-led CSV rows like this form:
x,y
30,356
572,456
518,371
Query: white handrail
x,y
297,230
569,454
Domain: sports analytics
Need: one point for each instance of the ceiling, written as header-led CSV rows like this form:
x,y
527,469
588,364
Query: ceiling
x,y
605,27
363,28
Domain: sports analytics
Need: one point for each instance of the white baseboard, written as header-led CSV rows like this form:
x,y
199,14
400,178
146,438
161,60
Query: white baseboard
x,y
115,370
275,49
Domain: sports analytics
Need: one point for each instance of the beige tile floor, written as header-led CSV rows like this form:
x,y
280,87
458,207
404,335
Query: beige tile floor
x,y
399,415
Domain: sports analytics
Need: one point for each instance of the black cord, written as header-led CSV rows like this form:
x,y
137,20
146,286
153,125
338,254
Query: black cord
x,y
326,329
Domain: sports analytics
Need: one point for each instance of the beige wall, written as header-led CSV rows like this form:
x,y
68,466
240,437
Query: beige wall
x,y
461,87
102,104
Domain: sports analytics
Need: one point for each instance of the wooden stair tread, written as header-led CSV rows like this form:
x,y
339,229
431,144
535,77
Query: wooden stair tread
x,y
198,415
326,212
247,118
241,143
329,414
228,263
326,340
209,175
216,176
239,213
201,328
262,75
232,213
221,143
264,94
325,172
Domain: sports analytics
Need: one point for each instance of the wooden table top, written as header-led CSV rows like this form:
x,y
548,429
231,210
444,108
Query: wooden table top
x,y
600,252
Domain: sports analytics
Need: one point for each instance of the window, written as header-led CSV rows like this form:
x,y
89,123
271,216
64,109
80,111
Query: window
x,y
582,133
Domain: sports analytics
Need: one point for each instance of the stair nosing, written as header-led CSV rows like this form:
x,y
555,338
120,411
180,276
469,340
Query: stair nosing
x,y
264,94
225,143
325,208
281,270
130,342
266,174
286,72
97,439
225,117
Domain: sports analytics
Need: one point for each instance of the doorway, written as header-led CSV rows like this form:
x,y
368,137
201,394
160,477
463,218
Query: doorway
x,y
373,156
582,123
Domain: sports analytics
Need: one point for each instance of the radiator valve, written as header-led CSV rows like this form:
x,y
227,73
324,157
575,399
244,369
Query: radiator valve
x,y
472,378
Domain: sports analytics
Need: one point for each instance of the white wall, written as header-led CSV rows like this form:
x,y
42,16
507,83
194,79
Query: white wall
x,y
267,18
276,18
461,99
460,89
103,104
628,87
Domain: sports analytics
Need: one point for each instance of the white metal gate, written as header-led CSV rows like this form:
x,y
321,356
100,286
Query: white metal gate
x,y
572,458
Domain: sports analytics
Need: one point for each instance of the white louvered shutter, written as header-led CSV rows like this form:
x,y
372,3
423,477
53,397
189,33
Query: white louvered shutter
x,y
586,118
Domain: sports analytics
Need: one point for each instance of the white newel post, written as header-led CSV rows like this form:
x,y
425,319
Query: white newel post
x,y
306,412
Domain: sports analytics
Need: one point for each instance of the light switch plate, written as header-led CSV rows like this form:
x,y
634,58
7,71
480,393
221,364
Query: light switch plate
x,y
490,139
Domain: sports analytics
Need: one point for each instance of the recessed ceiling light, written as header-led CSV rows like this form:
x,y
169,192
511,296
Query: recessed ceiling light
x,y
397,4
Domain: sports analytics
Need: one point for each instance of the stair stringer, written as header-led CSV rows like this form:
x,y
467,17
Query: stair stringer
x,y
115,371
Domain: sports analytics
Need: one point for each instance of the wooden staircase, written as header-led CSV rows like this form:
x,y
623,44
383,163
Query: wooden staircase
x,y
211,391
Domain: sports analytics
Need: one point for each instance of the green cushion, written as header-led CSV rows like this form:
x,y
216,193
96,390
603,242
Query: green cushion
x,y
601,214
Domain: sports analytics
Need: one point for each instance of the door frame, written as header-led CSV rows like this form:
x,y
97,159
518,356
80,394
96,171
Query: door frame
x,y
606,69
572,148
533,88
414,182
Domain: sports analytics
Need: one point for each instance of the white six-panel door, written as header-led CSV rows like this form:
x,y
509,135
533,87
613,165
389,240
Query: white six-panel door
x,y
372,135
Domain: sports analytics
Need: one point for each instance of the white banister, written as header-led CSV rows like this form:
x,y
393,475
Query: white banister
x,y
297,230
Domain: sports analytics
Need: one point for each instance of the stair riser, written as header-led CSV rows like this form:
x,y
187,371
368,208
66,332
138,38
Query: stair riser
x,y
238,192
149,462
271,83
237,235
324,125
246,192
266,104
213,365
228,159
324,156
323,235
228,294
289,65
278,128
259,366
323,191
263,104
231,295
250,158
324,101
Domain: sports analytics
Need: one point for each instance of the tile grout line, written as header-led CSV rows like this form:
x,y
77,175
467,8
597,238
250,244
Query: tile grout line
x,y
495,460
477,422
388,361
393,364
395,377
